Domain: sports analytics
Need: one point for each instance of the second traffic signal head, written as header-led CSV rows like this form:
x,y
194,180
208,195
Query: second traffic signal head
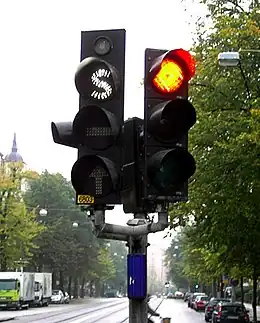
x,y
168,117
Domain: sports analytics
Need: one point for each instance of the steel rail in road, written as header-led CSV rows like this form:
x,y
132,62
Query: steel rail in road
x,y
75,316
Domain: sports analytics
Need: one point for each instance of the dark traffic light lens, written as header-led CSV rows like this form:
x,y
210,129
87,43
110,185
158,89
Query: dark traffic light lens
x,y
102,45
170,120
167,169
94,175
95,127
96,79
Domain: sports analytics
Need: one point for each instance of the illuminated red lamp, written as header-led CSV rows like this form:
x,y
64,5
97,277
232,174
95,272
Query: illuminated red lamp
x,y
171,70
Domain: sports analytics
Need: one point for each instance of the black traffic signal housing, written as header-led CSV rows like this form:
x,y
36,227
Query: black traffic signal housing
x,y
99,79
168,117
132,181
97,128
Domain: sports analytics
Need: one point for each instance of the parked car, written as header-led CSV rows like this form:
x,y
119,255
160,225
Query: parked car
x,y
200,303
170,295
57,297
210,306
178,295
230,312
192,298
66,298
186,296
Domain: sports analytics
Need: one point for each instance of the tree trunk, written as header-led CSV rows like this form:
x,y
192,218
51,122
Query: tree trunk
x,y
254,295
221,287
214,289
82,289
97,289
3,262
54,277
242,289
61,281
91,290
233,294
69,285
75,289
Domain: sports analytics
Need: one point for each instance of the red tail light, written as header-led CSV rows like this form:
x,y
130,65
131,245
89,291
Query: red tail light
x,y
246,317
209,308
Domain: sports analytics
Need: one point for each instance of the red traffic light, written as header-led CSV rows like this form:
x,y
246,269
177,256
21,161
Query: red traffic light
x,y
170,70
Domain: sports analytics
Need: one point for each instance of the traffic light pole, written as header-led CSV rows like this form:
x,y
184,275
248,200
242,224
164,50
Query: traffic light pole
x,y
136,234
138,307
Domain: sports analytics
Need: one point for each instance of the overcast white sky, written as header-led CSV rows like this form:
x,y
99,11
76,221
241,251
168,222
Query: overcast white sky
x,y
40,50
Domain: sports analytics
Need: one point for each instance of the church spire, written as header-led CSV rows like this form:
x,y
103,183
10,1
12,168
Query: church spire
x,y
14,156
14,148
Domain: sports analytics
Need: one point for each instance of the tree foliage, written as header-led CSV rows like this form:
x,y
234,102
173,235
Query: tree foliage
x,y
174,262
18,226
225,140
71,252
222,214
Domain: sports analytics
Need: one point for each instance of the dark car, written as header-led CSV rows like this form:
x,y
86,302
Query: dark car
x,y
111,293
186,296
211,305
230,313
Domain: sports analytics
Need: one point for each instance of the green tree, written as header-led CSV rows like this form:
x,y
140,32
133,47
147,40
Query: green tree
x,y
104,270
63,249
18,225
225,141
118,252
175,264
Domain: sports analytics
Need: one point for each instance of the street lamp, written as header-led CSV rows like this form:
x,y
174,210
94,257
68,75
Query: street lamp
x,y
230,59
43,212
75,224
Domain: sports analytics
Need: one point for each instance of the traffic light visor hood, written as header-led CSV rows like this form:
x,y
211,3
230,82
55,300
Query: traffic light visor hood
x,y
62,134
170,120
167,169
94,175
96,79
95,127
170,70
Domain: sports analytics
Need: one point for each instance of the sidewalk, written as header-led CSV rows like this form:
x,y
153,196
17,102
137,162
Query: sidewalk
x,y
249,307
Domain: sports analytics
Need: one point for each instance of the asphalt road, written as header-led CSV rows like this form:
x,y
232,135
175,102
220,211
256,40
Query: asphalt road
x,y
178,311
92,311
104,311
95,310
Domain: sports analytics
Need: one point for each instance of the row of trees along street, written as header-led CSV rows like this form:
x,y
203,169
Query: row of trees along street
x,y
221,221
50,240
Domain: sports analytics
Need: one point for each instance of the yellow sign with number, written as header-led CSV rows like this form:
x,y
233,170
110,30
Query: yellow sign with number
x,y
85,199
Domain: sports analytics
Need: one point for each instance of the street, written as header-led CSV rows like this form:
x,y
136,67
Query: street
x,y
179,312
105,311
92,310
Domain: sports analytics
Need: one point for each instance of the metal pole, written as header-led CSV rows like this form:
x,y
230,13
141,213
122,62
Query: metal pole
x,y
138,308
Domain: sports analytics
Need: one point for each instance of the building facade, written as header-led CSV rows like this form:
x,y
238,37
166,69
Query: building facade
x,y
156,270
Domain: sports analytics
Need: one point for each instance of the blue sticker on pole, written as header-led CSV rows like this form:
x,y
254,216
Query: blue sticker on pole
x,y
136,276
